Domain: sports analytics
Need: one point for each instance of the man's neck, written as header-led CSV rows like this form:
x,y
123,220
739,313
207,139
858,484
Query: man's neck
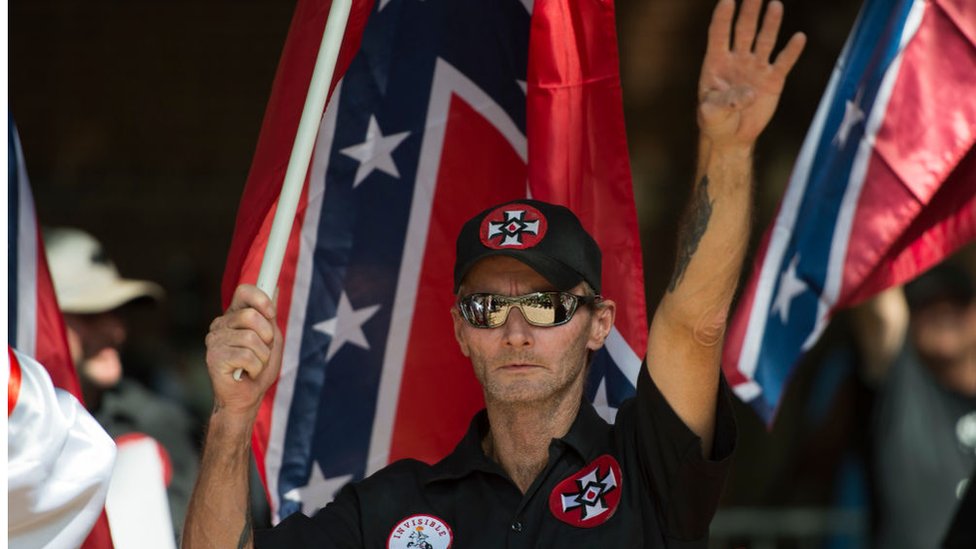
x,y
520,434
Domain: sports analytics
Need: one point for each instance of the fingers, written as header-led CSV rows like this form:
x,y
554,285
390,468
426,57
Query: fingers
x,y
243,337
745,25
720,28
791,52
247,295
769,31
231,350
746,39
246,320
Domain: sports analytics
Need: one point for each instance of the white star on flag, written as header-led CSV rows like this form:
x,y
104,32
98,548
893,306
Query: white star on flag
x,y
818,329
375,153
789,287
602,404
852,116
346,326
319,490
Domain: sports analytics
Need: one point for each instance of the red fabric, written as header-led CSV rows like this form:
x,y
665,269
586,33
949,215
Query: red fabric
x,y
943,226
100,536
52,337
920,189
13,382
577,143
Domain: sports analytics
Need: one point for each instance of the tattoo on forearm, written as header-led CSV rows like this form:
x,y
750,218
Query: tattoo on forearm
x,y
693,226
245,537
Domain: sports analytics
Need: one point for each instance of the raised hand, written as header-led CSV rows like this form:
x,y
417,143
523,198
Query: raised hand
x,y
739,87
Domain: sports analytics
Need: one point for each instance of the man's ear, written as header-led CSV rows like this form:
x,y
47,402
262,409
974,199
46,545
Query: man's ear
x,y
601,323
458,331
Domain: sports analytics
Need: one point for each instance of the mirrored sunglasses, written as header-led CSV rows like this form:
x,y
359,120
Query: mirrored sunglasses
x,y
538,309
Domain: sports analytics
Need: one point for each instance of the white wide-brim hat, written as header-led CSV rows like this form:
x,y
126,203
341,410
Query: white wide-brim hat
x,y
85,280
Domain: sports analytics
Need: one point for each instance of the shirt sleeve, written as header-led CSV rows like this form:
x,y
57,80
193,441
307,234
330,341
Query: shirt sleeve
x,y
337,525
685,485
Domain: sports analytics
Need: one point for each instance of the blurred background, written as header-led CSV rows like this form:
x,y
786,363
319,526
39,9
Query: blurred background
x,y
138,121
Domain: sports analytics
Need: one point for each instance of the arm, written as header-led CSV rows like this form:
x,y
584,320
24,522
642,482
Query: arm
x,y
245,337
738,92
880,325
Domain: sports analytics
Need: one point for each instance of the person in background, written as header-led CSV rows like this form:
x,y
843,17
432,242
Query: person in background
x,y
919,350
92,294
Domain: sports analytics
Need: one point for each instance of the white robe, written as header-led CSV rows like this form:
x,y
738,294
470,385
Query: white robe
x,y
59,462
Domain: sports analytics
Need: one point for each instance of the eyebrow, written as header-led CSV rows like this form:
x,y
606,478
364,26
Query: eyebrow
x,y
464,291
544,286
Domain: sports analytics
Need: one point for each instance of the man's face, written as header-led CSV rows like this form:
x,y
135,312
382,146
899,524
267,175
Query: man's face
x,y
521,363
944,332
94,340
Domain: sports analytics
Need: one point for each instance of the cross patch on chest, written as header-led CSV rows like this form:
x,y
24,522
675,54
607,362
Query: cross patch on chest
x,y
589,497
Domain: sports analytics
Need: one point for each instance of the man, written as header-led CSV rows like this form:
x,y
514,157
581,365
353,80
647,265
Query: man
x,y
538,467
91,294
919,349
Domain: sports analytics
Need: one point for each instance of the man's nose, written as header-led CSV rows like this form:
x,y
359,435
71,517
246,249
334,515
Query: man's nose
x,y
113,329
517,331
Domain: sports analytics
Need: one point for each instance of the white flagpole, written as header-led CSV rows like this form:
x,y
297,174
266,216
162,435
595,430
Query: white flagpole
x,y
301,152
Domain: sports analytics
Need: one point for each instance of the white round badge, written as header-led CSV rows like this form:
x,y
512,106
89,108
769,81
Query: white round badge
x,y
966,431
420,532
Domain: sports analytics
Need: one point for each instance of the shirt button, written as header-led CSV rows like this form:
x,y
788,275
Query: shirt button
x,y
516,526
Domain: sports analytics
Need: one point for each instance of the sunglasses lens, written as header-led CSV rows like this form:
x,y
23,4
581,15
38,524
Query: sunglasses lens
x,y
485,310
496,311
547,308
538,309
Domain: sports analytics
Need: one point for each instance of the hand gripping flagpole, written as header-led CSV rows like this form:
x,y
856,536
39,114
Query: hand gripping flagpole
x,y
301,152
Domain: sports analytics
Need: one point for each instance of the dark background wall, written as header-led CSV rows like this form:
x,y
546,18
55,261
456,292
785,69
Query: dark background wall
x,y
138,121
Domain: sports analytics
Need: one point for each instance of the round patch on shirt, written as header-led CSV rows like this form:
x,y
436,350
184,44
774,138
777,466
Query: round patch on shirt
x,y
513,227
589,497
966,431
420,532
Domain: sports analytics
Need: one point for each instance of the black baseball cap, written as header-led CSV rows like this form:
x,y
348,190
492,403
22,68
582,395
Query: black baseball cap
x,y
546,237
945,282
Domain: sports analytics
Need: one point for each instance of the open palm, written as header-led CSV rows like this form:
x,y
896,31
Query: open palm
x,y
739,87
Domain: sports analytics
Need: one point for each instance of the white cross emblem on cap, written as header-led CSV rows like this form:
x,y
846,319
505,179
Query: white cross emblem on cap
x,y
512,228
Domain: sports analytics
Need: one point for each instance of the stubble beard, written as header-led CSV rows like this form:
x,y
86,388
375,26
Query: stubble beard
x,y
553,383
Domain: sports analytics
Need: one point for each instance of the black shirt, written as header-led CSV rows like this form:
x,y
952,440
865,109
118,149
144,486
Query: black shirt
x,y
661,493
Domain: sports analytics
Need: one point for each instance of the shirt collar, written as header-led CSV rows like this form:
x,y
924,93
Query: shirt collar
x,y
588,436
468,456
